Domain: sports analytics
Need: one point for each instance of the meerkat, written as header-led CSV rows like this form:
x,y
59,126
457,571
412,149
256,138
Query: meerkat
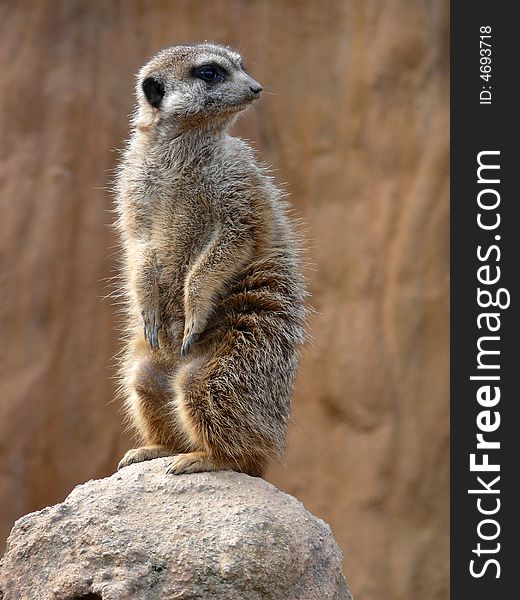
x,y
215,294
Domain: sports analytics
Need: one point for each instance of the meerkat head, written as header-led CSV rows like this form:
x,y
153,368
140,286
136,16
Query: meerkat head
x,y
190,86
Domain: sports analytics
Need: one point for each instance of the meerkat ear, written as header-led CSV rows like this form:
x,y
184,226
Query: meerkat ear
x,y
153,90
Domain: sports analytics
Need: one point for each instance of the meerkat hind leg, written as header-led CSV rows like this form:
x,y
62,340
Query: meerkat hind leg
x,y
143,453
206,416
148,401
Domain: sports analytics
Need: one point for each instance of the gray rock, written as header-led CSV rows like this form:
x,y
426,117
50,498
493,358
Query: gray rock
x,y
142,534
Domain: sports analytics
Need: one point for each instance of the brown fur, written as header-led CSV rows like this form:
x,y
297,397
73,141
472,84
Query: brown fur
x,y
211,271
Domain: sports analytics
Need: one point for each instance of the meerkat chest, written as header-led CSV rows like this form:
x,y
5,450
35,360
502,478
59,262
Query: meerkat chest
x,y
176,218
179,208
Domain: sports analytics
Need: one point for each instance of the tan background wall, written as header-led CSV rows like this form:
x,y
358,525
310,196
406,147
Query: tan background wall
x,y
357,124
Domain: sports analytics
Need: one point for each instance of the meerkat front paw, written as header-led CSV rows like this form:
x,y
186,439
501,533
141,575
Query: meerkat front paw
x,y
143,453
151,326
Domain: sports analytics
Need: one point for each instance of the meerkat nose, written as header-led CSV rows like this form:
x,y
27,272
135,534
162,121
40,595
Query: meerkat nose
x,y
256,88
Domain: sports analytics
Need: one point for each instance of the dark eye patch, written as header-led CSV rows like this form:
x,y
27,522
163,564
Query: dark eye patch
x,y
211,73
153,90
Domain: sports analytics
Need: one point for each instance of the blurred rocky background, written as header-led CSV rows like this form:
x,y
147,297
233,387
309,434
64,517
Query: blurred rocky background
x,y
355,120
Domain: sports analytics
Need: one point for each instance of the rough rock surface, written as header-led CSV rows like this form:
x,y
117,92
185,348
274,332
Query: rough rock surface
x,y
355,120
142,534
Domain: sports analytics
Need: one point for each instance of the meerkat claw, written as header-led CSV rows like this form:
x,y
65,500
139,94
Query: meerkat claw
x,y
188,344
151,329
154,341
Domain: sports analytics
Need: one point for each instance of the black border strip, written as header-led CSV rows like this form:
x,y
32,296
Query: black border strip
x,y
477,128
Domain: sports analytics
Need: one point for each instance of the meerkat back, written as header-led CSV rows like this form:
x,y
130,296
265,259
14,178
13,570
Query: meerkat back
x,y
214,291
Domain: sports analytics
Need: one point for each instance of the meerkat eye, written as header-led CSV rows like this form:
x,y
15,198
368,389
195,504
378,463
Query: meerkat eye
x,y
210,74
